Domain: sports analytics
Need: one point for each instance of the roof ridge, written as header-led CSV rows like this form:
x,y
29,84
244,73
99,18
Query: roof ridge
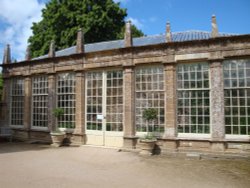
x,y
189,31
66,48
104,41
178,36
154,35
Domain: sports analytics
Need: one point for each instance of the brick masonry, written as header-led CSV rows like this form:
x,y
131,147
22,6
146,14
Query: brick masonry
x,y
169,55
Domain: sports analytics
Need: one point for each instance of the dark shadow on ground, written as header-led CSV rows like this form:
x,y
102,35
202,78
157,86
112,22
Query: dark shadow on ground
x,y
15,146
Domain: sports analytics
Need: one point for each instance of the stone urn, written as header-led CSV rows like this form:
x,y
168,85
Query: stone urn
x,y
57,138
147,147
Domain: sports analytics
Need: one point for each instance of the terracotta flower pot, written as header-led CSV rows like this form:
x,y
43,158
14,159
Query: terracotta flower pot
x,y
147,147
57,138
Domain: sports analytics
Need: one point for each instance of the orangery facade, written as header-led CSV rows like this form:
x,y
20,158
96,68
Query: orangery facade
x,y
198,82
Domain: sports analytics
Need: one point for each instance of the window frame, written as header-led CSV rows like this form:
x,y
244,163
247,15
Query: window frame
x,y
17,96
73,87
236,89
45,128
158,92
196,135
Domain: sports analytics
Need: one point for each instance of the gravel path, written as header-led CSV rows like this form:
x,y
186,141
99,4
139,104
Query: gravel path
x,y
41,166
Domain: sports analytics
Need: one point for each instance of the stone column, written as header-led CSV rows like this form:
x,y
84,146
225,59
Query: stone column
x,y
52,52
217,105
79,132
7,55
170,106
51,101
168,33
6,102
28,54
128,39
170,112
214,32
80,42
130,139
27,103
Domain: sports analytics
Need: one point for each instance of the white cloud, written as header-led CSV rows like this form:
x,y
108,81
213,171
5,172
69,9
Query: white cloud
x,y
136,22
16,18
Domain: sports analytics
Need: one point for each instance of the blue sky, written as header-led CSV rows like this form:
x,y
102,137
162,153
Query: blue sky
x,y
16,17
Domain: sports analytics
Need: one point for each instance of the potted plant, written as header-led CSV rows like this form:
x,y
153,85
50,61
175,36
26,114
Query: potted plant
x,y
57,136
148,141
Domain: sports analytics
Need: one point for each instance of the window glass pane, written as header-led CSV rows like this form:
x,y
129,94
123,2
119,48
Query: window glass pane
x,y
150,94
193,99
17,101
114,102
66,99
40,101
237,96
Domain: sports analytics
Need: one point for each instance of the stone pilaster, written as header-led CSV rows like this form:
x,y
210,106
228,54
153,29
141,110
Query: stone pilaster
x,y
168,33
129,112
217,101
27,103
214,32
79,132
6,104
28,54
128,40
217,104
52,52
170,110
80,42
7,55
51,101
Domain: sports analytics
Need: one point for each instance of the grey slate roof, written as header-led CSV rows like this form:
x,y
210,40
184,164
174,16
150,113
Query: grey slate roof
x,y
142,41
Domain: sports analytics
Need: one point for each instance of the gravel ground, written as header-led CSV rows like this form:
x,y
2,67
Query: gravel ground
x,y
32,165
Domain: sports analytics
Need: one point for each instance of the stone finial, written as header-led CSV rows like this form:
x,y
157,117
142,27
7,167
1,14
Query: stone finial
x,y
52,49
215,32
168,33
6,55
80,42
28,54
128,41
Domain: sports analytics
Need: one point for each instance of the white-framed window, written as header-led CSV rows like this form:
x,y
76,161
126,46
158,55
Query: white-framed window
x,y
149,93
40,101
66,99
193,105
114,101
17,102
237,96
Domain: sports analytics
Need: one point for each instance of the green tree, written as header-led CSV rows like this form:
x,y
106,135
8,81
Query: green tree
x,y
102,20
135,32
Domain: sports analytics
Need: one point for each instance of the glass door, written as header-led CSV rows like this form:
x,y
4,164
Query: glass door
x,y
104,108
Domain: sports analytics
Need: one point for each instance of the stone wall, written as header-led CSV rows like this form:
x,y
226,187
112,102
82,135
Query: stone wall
x,y
169,55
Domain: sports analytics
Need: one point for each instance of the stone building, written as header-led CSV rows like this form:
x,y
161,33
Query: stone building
x,y
199,83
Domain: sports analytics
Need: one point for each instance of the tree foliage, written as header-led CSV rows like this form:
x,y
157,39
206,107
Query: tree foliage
x,y
101,20
135,32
